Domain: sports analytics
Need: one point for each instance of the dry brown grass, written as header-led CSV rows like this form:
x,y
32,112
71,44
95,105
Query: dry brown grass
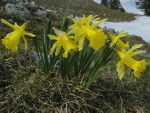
x,y
31,91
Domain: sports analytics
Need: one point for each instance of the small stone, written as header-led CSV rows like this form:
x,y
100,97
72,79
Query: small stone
x,y
146,56
12,1
1,9
41,12
110,30
30,4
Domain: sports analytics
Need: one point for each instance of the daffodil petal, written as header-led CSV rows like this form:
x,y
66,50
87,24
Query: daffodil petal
x,y
122,34
81,43
7,23
136,53
58,32
115,39
121,45
65,54
53,48
25,42
23,26
58,48
52,37
29,34
98,23
120,69
141,66
134,48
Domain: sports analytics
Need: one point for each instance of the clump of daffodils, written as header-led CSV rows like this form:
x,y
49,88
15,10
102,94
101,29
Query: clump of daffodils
x,y
81,31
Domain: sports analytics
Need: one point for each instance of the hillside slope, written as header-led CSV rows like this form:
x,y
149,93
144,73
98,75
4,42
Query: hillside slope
x,y
82,7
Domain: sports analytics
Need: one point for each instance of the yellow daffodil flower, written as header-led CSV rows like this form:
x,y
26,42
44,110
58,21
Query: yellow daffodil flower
x,y
116,40
12,39
84,28
126,58
62,40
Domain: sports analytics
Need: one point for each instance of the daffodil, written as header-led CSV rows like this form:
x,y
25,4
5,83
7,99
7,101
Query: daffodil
x,y
11,41
115,39
126,58
84,28
62,40
97,38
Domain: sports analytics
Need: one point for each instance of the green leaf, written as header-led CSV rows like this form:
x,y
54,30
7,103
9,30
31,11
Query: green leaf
x,y
105,57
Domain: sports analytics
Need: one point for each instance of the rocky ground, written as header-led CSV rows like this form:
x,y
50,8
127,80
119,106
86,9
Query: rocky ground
x,y
25,8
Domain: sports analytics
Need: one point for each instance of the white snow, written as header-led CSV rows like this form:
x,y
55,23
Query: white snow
x,y
139,27
97,1
130,6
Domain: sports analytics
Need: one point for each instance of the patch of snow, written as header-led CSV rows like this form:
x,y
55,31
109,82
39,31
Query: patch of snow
x,y
97,1
130,6
140,27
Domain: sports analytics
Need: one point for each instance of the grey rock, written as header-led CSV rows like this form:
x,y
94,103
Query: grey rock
x,y
17,9
54,13
12,1
25,8
145,55
34,56
1,9
51,11
110,30
30,4
41,12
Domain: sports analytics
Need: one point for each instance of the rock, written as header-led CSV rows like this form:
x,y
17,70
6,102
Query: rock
x,y
26,9
1,9
146,56
110,30
12,1
53,13
17,9
30,4
33,56
41,12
